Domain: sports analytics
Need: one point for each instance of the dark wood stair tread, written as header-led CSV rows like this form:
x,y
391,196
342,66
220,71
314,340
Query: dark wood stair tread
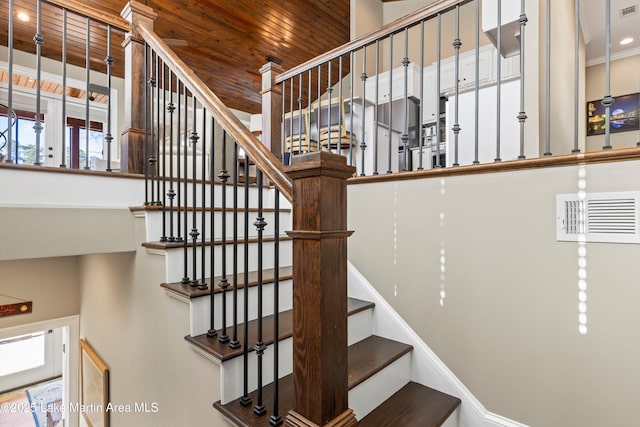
x,y
286,273
361,367
413,406
223,352
217,242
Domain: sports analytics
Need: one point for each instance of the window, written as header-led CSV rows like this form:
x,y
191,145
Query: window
x,y
21,353
24,152
77,143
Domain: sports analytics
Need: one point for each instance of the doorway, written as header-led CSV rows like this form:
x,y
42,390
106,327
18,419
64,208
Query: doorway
x,y
38,372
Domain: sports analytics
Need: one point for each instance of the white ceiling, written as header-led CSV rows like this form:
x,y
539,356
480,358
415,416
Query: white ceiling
x,y
592,20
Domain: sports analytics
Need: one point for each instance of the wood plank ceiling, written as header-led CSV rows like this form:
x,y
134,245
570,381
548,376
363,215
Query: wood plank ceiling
x,y
225,42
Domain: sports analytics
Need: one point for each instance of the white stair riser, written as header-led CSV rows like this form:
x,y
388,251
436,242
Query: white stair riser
x,y
360,326
367,396
200,307
231,371
155,231
174,259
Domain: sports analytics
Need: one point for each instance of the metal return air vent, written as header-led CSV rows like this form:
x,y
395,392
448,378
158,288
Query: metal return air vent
x,y
599,217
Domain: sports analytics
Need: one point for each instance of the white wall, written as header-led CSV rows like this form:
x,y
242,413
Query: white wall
x,y
138,331
472,264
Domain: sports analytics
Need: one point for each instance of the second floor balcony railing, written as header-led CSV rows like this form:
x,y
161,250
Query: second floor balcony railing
x,y
466,82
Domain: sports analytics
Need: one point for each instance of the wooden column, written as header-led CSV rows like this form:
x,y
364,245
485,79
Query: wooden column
x,y
320,359
133,138
271,108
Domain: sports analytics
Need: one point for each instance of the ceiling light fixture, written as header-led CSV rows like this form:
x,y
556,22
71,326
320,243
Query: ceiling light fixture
x,y
23,16
626,40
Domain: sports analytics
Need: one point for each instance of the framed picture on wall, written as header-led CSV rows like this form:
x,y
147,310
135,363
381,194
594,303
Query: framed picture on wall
x,y
624,115
94,387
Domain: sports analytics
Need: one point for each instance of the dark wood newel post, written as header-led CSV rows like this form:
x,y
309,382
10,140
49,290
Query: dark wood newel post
x,y
132,140
271,108
320,358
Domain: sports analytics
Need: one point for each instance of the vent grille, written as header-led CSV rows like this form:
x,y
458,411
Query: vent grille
x,y
599,217
626,11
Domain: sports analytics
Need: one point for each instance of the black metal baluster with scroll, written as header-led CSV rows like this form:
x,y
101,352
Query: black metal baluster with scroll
x,y
203,204
246,400
275,419
236,175
212,332
39,41
185,248
260,347
171,108
224,282
194,194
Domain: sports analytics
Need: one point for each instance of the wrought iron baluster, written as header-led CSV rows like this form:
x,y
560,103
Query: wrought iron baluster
x,y
9,158
185,248
547,151
522,116
39,41
64,93
246,400
438,81
236,176
291,122
180,197
421,142
194,196
498,80
260,347
363,78
340,107
212,332
299,113
109,61
309,109
203,211
456,80
375,110
608,100
151,159
405,135
351,88
576,71
330,99
390,106
282,130
224,283
318,111
145,154
476,143
87,65
157,141
163,142
171,108
275,419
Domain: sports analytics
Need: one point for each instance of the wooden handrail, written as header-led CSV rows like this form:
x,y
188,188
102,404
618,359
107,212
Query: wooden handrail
x,y
439,6
91,12
258,153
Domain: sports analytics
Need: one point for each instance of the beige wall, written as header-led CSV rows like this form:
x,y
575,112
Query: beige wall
x,y
625,79
51,283
138,331
508,323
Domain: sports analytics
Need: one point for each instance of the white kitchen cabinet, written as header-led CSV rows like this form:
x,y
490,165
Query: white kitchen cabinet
x,y
396,90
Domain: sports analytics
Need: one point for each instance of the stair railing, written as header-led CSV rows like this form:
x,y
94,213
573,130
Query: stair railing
x,y
445,87
191,144
43,93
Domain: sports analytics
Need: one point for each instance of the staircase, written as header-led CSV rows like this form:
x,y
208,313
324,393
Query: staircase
x,y
380,378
